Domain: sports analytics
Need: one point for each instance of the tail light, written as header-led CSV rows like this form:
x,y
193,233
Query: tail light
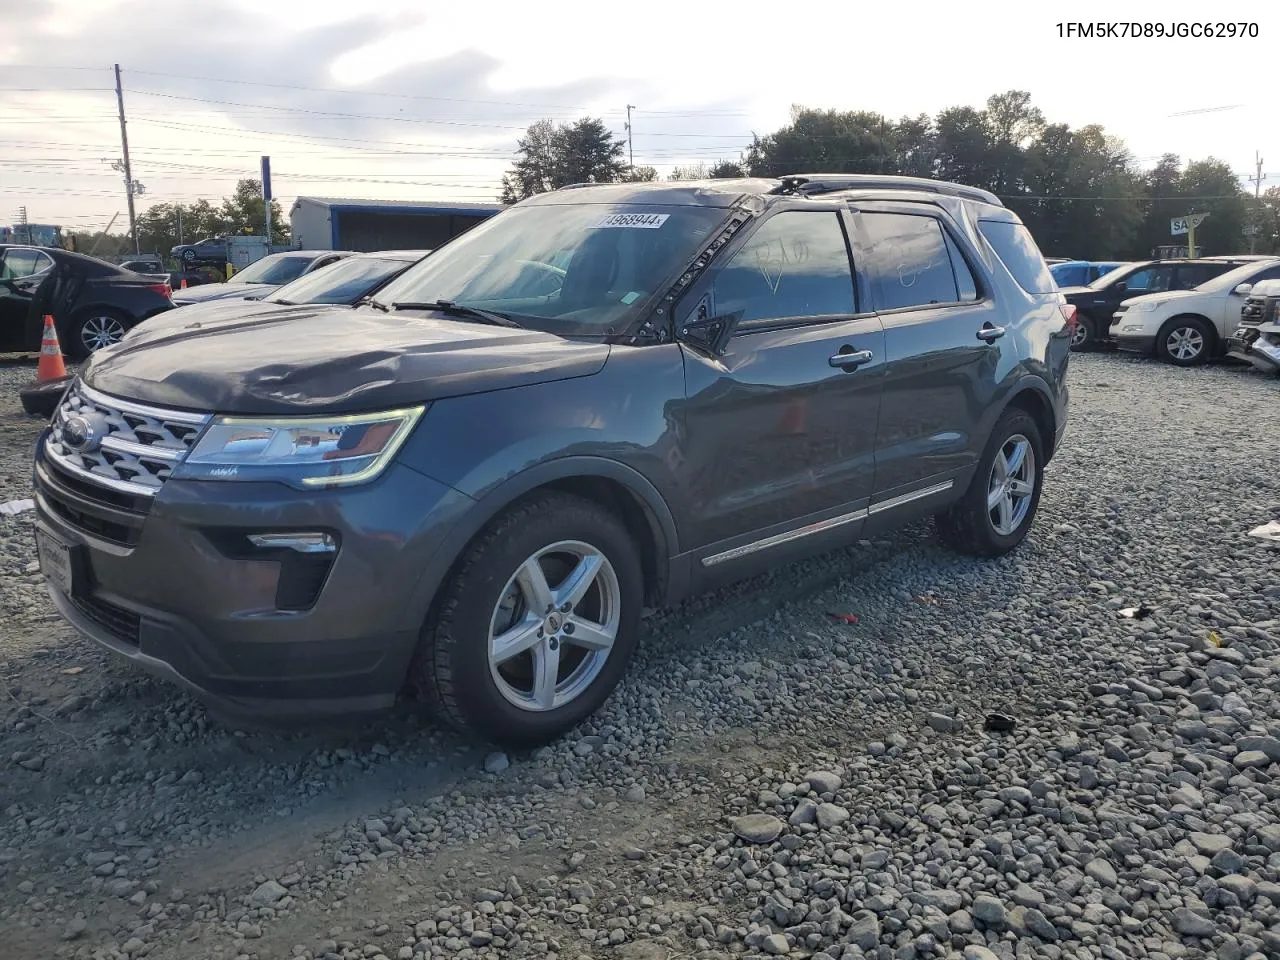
x,y
163,289
1070,314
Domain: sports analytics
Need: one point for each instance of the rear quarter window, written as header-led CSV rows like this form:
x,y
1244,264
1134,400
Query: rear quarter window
x,y
1013,245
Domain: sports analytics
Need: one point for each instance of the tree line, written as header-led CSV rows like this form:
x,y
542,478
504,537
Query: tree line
x,y
161,225
1078,190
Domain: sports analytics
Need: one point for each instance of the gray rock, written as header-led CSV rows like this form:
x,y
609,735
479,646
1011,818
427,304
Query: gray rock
x,y
1102,872
758,827
806,811
1251,759
496,762
1268,745
1018,795
1210,843
1243,888
948,901
942,723
1191,924
989,910
267,894
75,927
831,815
1227,861
634,794
864,931
775,945
1038,925
823,781
975,951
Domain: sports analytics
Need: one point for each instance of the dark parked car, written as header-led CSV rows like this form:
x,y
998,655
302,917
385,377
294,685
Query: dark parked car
x,y
470,487
1096,302
92,302
209,250
344,283
262,276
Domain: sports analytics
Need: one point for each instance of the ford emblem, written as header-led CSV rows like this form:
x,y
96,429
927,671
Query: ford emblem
x,y
82,434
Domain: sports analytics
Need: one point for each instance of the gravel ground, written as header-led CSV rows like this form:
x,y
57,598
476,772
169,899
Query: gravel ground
x,y
767,781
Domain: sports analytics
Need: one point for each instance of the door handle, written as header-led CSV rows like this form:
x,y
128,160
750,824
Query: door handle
x,y
853,358
990,333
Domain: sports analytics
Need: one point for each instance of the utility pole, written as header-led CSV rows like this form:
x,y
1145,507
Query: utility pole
x,y
178,206
1256,180
22,222
631,159
128,171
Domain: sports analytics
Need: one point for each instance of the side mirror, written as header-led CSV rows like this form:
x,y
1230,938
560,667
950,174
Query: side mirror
x,y
1242,290
707,333
1121,286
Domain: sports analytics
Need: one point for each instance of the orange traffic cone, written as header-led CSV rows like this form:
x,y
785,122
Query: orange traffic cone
x,y
51,366
184,284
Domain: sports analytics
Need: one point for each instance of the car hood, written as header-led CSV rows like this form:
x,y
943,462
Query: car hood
x,y
194,316
1166,295
330,359
222,291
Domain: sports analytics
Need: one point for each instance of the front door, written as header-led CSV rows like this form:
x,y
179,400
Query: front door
x,y
939,372
21,271
778,433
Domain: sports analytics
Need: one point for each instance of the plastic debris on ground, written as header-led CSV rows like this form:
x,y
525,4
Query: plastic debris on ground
x,y
14,507
848,618
1268,531
1214,638
999,722
1140,612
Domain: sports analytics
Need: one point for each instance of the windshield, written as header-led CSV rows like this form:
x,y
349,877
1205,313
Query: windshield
x,y
1110,277
280,268
345,281
1242,274
578,268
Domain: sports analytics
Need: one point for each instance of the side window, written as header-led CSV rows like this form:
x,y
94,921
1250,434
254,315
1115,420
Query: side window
x,y
1150,280
1192,275
795,265
908,260
965,284
1016,249
24,263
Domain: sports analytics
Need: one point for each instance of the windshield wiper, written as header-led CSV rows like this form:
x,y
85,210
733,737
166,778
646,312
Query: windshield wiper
x,y
285,303
378,305
459,310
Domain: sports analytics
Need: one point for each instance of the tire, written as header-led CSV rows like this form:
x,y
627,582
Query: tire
x,y
1185,342
1085,336
92,330
455,671
969,526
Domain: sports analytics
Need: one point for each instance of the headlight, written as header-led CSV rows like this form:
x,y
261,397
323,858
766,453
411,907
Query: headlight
x,y
1144,306
302,452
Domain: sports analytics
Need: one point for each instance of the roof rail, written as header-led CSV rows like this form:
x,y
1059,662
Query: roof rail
x,y
815,183
575,186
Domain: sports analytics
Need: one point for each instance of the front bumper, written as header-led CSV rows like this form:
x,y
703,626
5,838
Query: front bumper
x,y
174,586
1134,343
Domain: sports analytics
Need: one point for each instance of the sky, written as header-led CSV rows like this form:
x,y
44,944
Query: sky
x,y
423,99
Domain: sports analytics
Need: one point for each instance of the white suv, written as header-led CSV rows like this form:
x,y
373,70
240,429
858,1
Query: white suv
x,y
1187,327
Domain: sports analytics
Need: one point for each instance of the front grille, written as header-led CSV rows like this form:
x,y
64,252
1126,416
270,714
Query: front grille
x,y
131,448
1251,312
120,623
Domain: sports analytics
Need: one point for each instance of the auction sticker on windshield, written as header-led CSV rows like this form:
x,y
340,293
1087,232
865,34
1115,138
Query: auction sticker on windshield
x,y
638,221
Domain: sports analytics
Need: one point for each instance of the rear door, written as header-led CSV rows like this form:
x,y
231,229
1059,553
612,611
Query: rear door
x,y
22,270
778,435
939,373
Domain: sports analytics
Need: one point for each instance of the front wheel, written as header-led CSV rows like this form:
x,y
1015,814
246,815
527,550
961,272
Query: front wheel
x,y
997,510
1184,342
536,625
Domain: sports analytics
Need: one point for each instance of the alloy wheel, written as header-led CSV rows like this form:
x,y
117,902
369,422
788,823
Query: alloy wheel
x,y
99,332
554,626
1080,335
1185,343
1012,485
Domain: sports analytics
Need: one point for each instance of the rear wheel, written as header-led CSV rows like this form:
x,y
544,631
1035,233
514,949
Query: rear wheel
x,y
997,510
1185,342
536,626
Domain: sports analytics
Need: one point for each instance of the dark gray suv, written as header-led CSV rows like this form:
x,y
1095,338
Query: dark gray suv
x,y
602,399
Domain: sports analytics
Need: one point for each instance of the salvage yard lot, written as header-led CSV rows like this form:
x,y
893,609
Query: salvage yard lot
x,y
1134,811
